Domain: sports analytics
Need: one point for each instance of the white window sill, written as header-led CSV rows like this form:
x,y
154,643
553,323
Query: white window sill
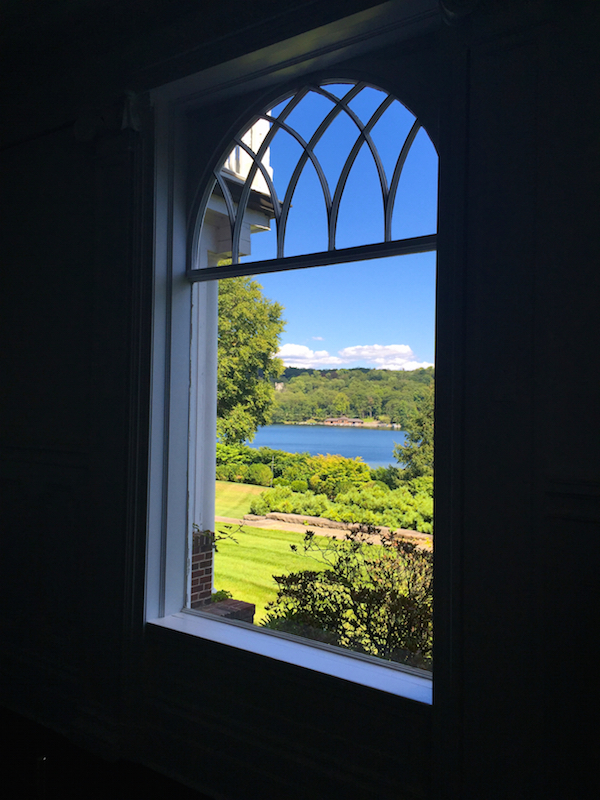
x,y
405,682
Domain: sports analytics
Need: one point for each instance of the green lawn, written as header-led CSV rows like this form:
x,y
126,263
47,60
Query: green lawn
x,y
233,499
246,568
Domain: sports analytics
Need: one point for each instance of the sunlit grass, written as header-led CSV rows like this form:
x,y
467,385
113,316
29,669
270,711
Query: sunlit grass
x,y
233,499
246,567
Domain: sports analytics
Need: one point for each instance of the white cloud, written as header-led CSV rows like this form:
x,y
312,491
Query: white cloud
x,y
390,356
299,355
384,356
317,338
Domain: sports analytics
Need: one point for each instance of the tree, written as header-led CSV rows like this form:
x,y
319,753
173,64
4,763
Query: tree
x,y
341,404
331,475
249,329
417,451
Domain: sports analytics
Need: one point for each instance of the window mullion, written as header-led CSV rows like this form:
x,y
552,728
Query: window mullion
x,y
417,244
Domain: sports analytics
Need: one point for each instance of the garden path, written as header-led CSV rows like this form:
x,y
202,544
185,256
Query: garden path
x,y
338,532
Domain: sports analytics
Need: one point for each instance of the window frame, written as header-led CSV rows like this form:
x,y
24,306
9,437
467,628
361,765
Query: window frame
x,y
170,480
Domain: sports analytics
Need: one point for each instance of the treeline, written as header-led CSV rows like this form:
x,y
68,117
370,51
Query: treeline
x,y
391,396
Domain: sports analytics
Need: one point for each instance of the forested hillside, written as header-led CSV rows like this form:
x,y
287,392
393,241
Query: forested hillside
x,y
387,395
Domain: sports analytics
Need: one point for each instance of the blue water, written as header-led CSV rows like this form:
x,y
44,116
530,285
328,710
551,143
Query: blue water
x,y
374,446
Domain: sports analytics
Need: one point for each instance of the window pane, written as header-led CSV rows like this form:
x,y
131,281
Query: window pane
x,y
360,219
308,114
366,103
338,89
334,366
389,134
415,209
334,146
354,375
306,230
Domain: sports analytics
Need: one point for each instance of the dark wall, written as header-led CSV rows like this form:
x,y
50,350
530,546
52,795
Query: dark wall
x,y
509,90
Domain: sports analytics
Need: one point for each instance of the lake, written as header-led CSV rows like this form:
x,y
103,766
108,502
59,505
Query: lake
x,y
374,446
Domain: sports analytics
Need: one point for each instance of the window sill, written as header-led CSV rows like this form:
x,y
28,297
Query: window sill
x,y
412,684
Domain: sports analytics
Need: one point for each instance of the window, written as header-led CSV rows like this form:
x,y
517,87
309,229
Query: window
x,y
241,198
341,151
235,201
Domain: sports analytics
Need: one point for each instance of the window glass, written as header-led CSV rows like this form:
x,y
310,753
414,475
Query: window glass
x,y
339,360
361,211
351,372
352,166
415,209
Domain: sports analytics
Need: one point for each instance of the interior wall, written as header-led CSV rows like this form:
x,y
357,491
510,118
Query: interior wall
x,y
517,558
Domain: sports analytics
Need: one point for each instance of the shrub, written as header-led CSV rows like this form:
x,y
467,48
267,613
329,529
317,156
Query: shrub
x,y
282,498
331,475
239,473
225,472
391,476
299,486
374,599
259,474
421,485
221,594
370,505
233,453
381,485
259,507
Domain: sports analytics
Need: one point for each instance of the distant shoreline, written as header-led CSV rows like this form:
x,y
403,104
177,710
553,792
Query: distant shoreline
x,y
393,426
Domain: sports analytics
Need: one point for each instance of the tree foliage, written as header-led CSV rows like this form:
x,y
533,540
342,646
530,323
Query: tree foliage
x,y
370,598
416,453
249,329
342,489
331,475
389,395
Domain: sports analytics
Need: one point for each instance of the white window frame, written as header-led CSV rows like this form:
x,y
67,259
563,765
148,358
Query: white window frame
x,y
185,322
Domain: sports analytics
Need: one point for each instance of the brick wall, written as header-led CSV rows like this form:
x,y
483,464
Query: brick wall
x,y
202,569
202,578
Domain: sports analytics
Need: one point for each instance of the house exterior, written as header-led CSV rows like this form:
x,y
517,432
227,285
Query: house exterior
x,y
215,244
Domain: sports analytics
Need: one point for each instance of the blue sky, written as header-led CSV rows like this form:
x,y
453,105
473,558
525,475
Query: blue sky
x,y
377,313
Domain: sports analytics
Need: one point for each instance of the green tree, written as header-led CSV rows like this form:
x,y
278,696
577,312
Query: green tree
x,y
249,329
417,451
341,404
331,475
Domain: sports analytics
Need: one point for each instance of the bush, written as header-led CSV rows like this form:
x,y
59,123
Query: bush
x,y
259,474
421,485
282,498
371,505
221,594
225,472
239,473
391,476
374,599
331,475
381,485
233,453
299,486
342,489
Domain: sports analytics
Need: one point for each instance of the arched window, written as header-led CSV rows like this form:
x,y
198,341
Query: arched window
x,y
333,136
330,173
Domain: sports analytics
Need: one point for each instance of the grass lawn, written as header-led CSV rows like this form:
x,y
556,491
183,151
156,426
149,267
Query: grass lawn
x,y
246,568
233,499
